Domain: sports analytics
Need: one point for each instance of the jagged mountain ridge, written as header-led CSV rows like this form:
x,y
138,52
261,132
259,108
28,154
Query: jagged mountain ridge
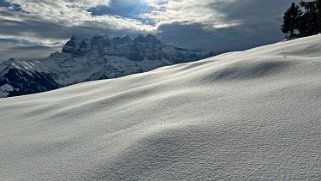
x,y
137,49
83,59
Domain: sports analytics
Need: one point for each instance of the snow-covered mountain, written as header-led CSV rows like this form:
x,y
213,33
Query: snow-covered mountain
x,y
250,115
97,58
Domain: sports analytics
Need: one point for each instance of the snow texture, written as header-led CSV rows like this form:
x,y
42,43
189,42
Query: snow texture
x,y
251,115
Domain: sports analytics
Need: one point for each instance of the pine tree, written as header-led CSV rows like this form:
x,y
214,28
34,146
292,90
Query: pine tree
x,y
291,20
318,5
309,24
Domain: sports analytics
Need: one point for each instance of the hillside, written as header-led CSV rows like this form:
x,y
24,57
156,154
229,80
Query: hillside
x,y
250,115
87,59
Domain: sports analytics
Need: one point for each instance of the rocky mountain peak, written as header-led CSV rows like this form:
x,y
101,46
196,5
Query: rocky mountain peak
x,y
99,41
76,46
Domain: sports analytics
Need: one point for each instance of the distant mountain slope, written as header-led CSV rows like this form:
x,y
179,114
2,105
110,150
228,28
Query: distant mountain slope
x,y
91,59
250,115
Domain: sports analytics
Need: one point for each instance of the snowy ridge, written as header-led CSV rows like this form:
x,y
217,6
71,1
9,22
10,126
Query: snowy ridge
x,y
251,115
91,59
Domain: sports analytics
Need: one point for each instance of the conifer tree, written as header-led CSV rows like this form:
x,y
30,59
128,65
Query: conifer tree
x,y
309,24
291,20
318,5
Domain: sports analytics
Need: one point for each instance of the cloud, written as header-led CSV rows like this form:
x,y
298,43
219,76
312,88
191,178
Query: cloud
x,y
212,24
191,12
23,49
53,24
74,13
33,5
220,24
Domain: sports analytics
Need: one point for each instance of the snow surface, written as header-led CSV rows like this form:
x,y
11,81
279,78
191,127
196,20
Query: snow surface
x,y
252,115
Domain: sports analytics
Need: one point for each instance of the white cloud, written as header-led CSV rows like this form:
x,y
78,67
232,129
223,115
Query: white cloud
x,y
190,12
31,23
75,12
207,14
27,4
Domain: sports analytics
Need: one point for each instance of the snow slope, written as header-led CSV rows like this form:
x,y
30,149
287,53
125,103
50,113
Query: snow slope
x,y
84,59
251,115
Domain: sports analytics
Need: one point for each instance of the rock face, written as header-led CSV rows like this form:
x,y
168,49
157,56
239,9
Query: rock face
x,y
97,58
138,49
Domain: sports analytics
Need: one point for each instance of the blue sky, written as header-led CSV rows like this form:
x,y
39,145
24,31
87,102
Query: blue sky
x,y
33,28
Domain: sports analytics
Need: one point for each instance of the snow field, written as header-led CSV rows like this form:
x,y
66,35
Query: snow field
x,y
250,115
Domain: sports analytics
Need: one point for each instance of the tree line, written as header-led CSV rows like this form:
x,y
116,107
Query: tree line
x,y
303,19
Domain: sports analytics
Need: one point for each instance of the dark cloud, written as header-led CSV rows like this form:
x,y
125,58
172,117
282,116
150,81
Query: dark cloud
x,y
258,24
251,11
25,52
223,39
38,28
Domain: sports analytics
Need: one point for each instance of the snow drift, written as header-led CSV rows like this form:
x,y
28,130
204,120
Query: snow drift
x,y
238,116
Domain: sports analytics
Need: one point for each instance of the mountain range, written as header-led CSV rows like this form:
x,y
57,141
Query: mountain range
x,y
86,59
